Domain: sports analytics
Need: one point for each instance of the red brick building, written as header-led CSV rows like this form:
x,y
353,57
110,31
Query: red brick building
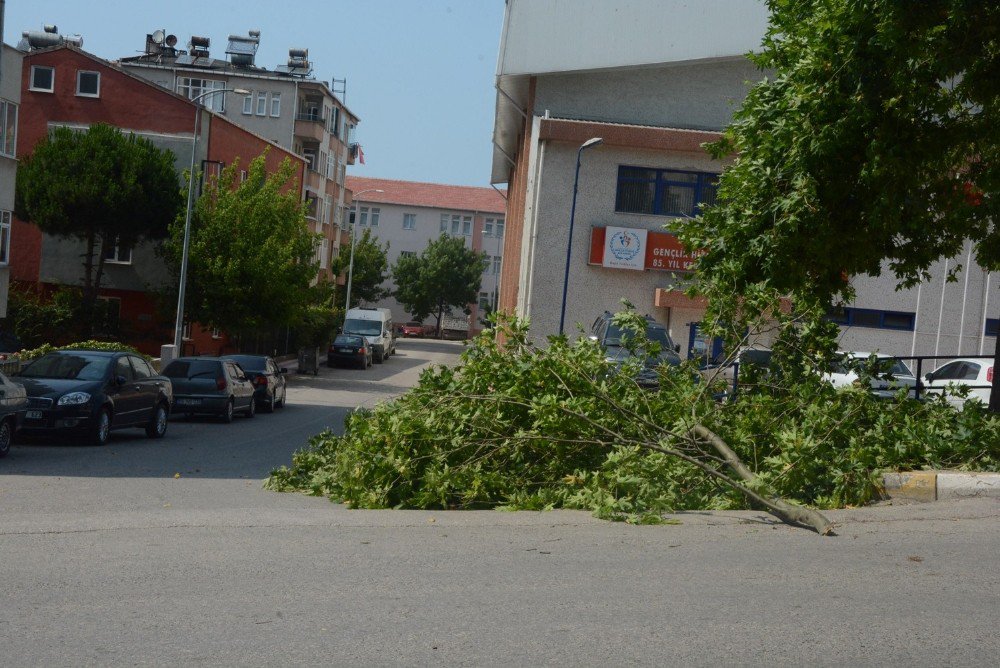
x,y
66,86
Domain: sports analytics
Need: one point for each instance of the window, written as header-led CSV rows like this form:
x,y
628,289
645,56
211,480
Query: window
x,y
123,368
992,326
310,156
43,79
216,333
275,104
186,331
4,237
409,221
243,175
324,252
444,223
663,192
493,226
497,260
248,105
141,367
8,132
327,209
871,318
363,218
467,226
116,253
331,170
375,214
192,88
484,301
335,120
261,104
88,84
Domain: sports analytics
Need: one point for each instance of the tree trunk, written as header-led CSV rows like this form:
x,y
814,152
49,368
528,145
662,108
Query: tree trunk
x,y
439,316
89,293
787,512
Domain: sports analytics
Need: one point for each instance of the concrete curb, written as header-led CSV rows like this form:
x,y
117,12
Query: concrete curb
x,y
940,485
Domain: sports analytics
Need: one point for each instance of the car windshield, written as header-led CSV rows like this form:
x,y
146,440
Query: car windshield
x,y
249,362
192,369
886,365
657,334
344,340
761,358
363,327
79,366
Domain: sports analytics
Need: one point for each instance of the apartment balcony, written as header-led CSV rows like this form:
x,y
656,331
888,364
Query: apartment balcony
x,y
315,181
310,127
352,153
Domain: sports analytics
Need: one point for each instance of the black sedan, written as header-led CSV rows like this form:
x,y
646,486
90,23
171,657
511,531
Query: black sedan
x,y
212,385
350,350
267,377
92,392
13,404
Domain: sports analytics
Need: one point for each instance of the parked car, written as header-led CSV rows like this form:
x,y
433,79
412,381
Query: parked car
x,y
725,371
413,329
13,404
648,376
349,350
958,373
210,385
267,377
609,336
890,376
92,392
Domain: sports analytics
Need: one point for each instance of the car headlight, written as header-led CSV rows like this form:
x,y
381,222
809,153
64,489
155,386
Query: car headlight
x,y
73,399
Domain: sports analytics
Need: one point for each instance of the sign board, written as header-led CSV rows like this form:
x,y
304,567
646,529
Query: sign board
x,y
612,247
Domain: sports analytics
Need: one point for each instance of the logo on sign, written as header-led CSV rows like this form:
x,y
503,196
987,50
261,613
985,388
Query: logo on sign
x,y
625,245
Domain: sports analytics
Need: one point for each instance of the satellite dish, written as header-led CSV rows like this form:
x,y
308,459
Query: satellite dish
x,y
157,36
171,40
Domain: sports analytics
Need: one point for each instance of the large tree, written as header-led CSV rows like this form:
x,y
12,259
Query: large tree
x,y
371,269
873,144
446,275
252,255
101,186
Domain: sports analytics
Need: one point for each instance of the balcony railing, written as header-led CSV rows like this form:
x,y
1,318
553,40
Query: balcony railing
x,y
308,116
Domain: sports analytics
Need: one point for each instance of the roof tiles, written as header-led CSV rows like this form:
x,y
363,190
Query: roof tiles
x,y
430,195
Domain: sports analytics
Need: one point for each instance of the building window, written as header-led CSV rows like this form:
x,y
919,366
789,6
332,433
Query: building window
x,y
664,192
243,175
324,253
498,228
192,88
992,326
444,223
467,226
493,226
327,209
186,331
275,104
334,120
261,104
409,221
216,333
4,237
497,259
117,253
872,318
248,105
88,84
8,128
375,214
43,79
331,169
484,301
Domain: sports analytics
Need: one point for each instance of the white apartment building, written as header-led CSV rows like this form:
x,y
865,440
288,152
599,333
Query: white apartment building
x,y
10,98
286,105
409,215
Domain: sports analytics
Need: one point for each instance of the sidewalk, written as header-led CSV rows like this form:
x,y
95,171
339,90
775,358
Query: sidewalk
x,y
941,485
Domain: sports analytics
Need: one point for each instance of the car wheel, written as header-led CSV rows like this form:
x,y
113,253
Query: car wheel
x,y
251,409
157,426
281,402
227,413
271,404
378,357
100,433
6,437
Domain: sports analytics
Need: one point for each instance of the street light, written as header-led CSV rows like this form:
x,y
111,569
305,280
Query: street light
x,y
354,242
179,323
596,141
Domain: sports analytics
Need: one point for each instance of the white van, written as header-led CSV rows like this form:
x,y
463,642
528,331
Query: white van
x,y
375,324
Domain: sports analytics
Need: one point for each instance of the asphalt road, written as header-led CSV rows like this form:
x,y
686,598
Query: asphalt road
x,y
108,557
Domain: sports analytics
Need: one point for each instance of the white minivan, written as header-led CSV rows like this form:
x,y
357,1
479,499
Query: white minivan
x,y
375,324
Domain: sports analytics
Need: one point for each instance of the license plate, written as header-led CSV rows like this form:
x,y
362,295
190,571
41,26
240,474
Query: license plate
x,y
188,402
344,350
33,415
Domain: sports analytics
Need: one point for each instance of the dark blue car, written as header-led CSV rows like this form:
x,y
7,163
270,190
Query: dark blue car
x,y
89,393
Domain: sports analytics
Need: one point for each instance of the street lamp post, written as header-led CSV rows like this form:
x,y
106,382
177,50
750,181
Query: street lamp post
x,y
596,141
179,323
354,242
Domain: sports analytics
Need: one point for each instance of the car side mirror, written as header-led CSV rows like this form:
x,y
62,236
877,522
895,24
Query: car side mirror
x,y
120,380
283,370
929,376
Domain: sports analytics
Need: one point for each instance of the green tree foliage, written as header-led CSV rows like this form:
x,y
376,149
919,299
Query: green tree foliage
x,y
101,186
371,269
446,275
251,257
871,144
522,427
